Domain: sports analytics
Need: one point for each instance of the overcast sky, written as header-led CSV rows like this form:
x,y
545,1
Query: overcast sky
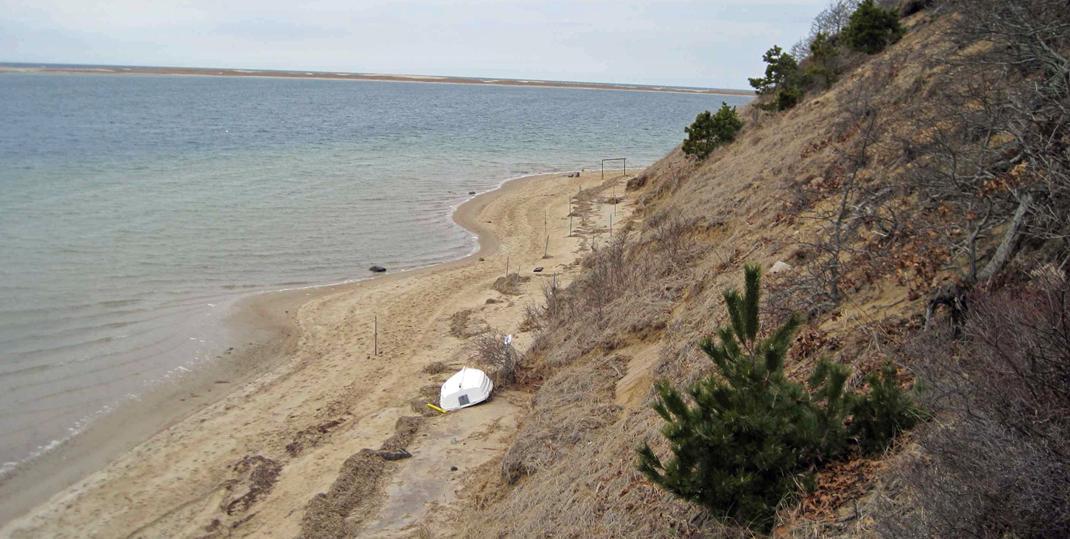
x,y
712,43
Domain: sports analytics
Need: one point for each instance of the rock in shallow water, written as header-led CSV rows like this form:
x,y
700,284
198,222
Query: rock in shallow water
x,y
377,269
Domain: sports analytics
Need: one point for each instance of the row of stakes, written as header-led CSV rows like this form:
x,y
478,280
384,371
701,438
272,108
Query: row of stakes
x,y
545,252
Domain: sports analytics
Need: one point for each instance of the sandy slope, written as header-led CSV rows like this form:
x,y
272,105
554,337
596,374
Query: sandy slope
x,y
205,475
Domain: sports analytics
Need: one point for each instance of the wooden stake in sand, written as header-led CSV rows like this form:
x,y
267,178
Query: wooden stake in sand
x,y
375,346
546,231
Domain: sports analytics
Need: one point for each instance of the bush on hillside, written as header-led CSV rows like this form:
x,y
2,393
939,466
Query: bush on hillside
x,y
712,130
883,412
872,28
996,464
750,435
823,60
782,80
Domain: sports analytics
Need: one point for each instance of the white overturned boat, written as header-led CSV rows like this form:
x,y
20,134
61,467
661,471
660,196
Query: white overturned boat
x,y
464,389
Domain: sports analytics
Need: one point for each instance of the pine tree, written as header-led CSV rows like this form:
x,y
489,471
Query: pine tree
x,y
711,130
823,59
734,448
745,437
782,80
872,28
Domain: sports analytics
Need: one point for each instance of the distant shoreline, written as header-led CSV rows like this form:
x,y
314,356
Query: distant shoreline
x,y
327,75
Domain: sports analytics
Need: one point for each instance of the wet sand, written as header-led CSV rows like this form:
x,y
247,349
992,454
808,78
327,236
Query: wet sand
x,y
315,386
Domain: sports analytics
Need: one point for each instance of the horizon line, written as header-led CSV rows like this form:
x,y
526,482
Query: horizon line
x,y
118,69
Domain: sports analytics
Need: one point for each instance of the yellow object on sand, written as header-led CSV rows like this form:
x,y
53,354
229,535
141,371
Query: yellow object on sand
x,y
435,408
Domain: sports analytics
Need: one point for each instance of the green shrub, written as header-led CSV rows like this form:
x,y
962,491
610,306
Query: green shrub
x,y
782,81
872,28
712,130
883,412
749,435
823,60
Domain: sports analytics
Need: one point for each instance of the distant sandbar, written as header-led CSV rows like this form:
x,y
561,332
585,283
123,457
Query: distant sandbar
x,y
219,72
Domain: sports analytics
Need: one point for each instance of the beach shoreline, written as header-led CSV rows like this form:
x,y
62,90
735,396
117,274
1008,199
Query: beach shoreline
x,y
273,318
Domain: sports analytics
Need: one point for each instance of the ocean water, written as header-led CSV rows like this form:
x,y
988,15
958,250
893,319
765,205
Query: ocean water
x,y
135,210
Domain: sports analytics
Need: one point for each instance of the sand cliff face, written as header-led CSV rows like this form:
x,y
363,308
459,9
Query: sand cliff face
x,y
639,311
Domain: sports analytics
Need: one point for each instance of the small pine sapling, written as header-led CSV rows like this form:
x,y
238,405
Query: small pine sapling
x,y
744,438
882,412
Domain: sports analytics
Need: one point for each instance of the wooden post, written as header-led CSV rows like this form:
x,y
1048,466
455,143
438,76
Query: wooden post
x,y
611,226
546,230
375,347
507,265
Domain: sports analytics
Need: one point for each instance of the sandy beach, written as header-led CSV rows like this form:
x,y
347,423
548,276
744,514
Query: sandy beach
x,y
249,463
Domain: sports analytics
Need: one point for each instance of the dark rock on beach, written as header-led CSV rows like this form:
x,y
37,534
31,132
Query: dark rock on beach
x,y
377,269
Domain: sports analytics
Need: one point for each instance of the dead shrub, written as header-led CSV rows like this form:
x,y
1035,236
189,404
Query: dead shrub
x,y
672,234
491,352
532,318
510,284
995,463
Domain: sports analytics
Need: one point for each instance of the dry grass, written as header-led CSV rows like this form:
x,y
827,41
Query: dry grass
x,y
571,406
436,367
510,284
571,468
464,325
993,464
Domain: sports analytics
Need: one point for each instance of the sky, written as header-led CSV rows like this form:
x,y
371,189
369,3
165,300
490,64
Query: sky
x,y
705,43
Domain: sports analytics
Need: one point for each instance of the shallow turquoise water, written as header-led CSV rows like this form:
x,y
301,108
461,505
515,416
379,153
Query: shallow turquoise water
x,y
135,209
